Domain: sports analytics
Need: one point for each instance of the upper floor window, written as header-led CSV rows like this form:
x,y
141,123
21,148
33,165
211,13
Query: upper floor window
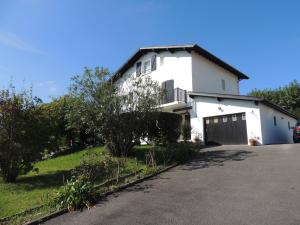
x,y
275,121
223,85
153,63
138,69
147,67
161,60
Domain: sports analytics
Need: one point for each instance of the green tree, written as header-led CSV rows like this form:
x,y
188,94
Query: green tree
x,y
287,96
22,134
63,132
118,115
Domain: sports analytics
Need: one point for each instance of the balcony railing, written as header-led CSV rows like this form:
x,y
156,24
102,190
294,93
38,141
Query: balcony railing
x,y
176,94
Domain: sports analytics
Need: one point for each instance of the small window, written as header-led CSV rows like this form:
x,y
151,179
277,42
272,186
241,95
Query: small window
x,y
234,118
138,69
153,63
225,119
161,60
223,85
289,125
275,121
207,121
243,116
216,120
147,66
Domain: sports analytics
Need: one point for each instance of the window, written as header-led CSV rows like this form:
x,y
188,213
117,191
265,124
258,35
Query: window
x,y
147,67
243,116
153,63
223,85
275,121
207,121
138,69
224,119
216,120
161,60
234,118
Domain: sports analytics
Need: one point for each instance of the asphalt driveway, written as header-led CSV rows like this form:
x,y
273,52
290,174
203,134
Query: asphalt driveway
x,y
228,185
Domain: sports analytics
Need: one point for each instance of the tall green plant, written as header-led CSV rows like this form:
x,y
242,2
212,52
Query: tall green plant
x,y
22,134
118,114
287,96
77,193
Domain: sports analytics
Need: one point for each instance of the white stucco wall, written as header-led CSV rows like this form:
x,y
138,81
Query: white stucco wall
x,y
276,134
176,66
207,77
207,107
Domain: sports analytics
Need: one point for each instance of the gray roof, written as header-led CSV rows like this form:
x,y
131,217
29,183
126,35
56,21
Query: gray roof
x,y
174,48
243,98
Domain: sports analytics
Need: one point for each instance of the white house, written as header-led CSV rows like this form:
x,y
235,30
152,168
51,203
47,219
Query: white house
x,y
205,91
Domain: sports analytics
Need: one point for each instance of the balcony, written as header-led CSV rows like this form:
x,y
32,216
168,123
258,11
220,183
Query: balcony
x,y
173,99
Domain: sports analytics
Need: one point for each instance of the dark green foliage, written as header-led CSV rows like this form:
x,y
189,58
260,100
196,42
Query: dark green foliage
x,y
287,97
76,194
124,133
177,152
186,130
164,128
97,167
56,113
22,133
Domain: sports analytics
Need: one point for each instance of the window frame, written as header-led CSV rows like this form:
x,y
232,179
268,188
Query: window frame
x,y
244,116
223,83
138,68
216,120
161,60
144,64
235,118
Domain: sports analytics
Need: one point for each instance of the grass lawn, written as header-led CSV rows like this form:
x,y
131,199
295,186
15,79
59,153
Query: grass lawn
x,y
32,189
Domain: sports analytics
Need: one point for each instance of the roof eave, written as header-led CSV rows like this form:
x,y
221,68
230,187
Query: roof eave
x,y
244,98
173,48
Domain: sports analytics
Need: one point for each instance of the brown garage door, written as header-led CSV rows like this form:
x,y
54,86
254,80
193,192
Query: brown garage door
x,y
226,129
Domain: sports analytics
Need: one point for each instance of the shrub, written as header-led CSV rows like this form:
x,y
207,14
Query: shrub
x,y
179,152
97,167
164,128
114,113
125,133
22,133
186,131
77,193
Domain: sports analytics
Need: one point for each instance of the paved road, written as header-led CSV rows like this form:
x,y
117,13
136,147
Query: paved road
x,y
229,185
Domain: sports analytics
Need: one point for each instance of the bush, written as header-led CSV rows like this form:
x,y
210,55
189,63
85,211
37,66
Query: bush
x,y
186,131
97,167
77,193
164,128
22,133
125,133
179,152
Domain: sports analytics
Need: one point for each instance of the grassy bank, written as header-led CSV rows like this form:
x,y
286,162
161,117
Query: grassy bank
x,y
33,189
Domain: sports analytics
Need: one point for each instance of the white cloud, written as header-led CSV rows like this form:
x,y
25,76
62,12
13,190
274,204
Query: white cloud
x,y
11,40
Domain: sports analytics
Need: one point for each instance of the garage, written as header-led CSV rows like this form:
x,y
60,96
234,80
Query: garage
x,y
226,129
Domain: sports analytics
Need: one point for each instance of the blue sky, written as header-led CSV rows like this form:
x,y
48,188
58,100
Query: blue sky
x,y
44,43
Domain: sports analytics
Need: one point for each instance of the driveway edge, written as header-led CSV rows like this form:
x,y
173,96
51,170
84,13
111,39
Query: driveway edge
x,y
120,188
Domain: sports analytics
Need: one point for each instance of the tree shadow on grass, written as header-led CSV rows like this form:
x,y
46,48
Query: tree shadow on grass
x,y
216,158
49,180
